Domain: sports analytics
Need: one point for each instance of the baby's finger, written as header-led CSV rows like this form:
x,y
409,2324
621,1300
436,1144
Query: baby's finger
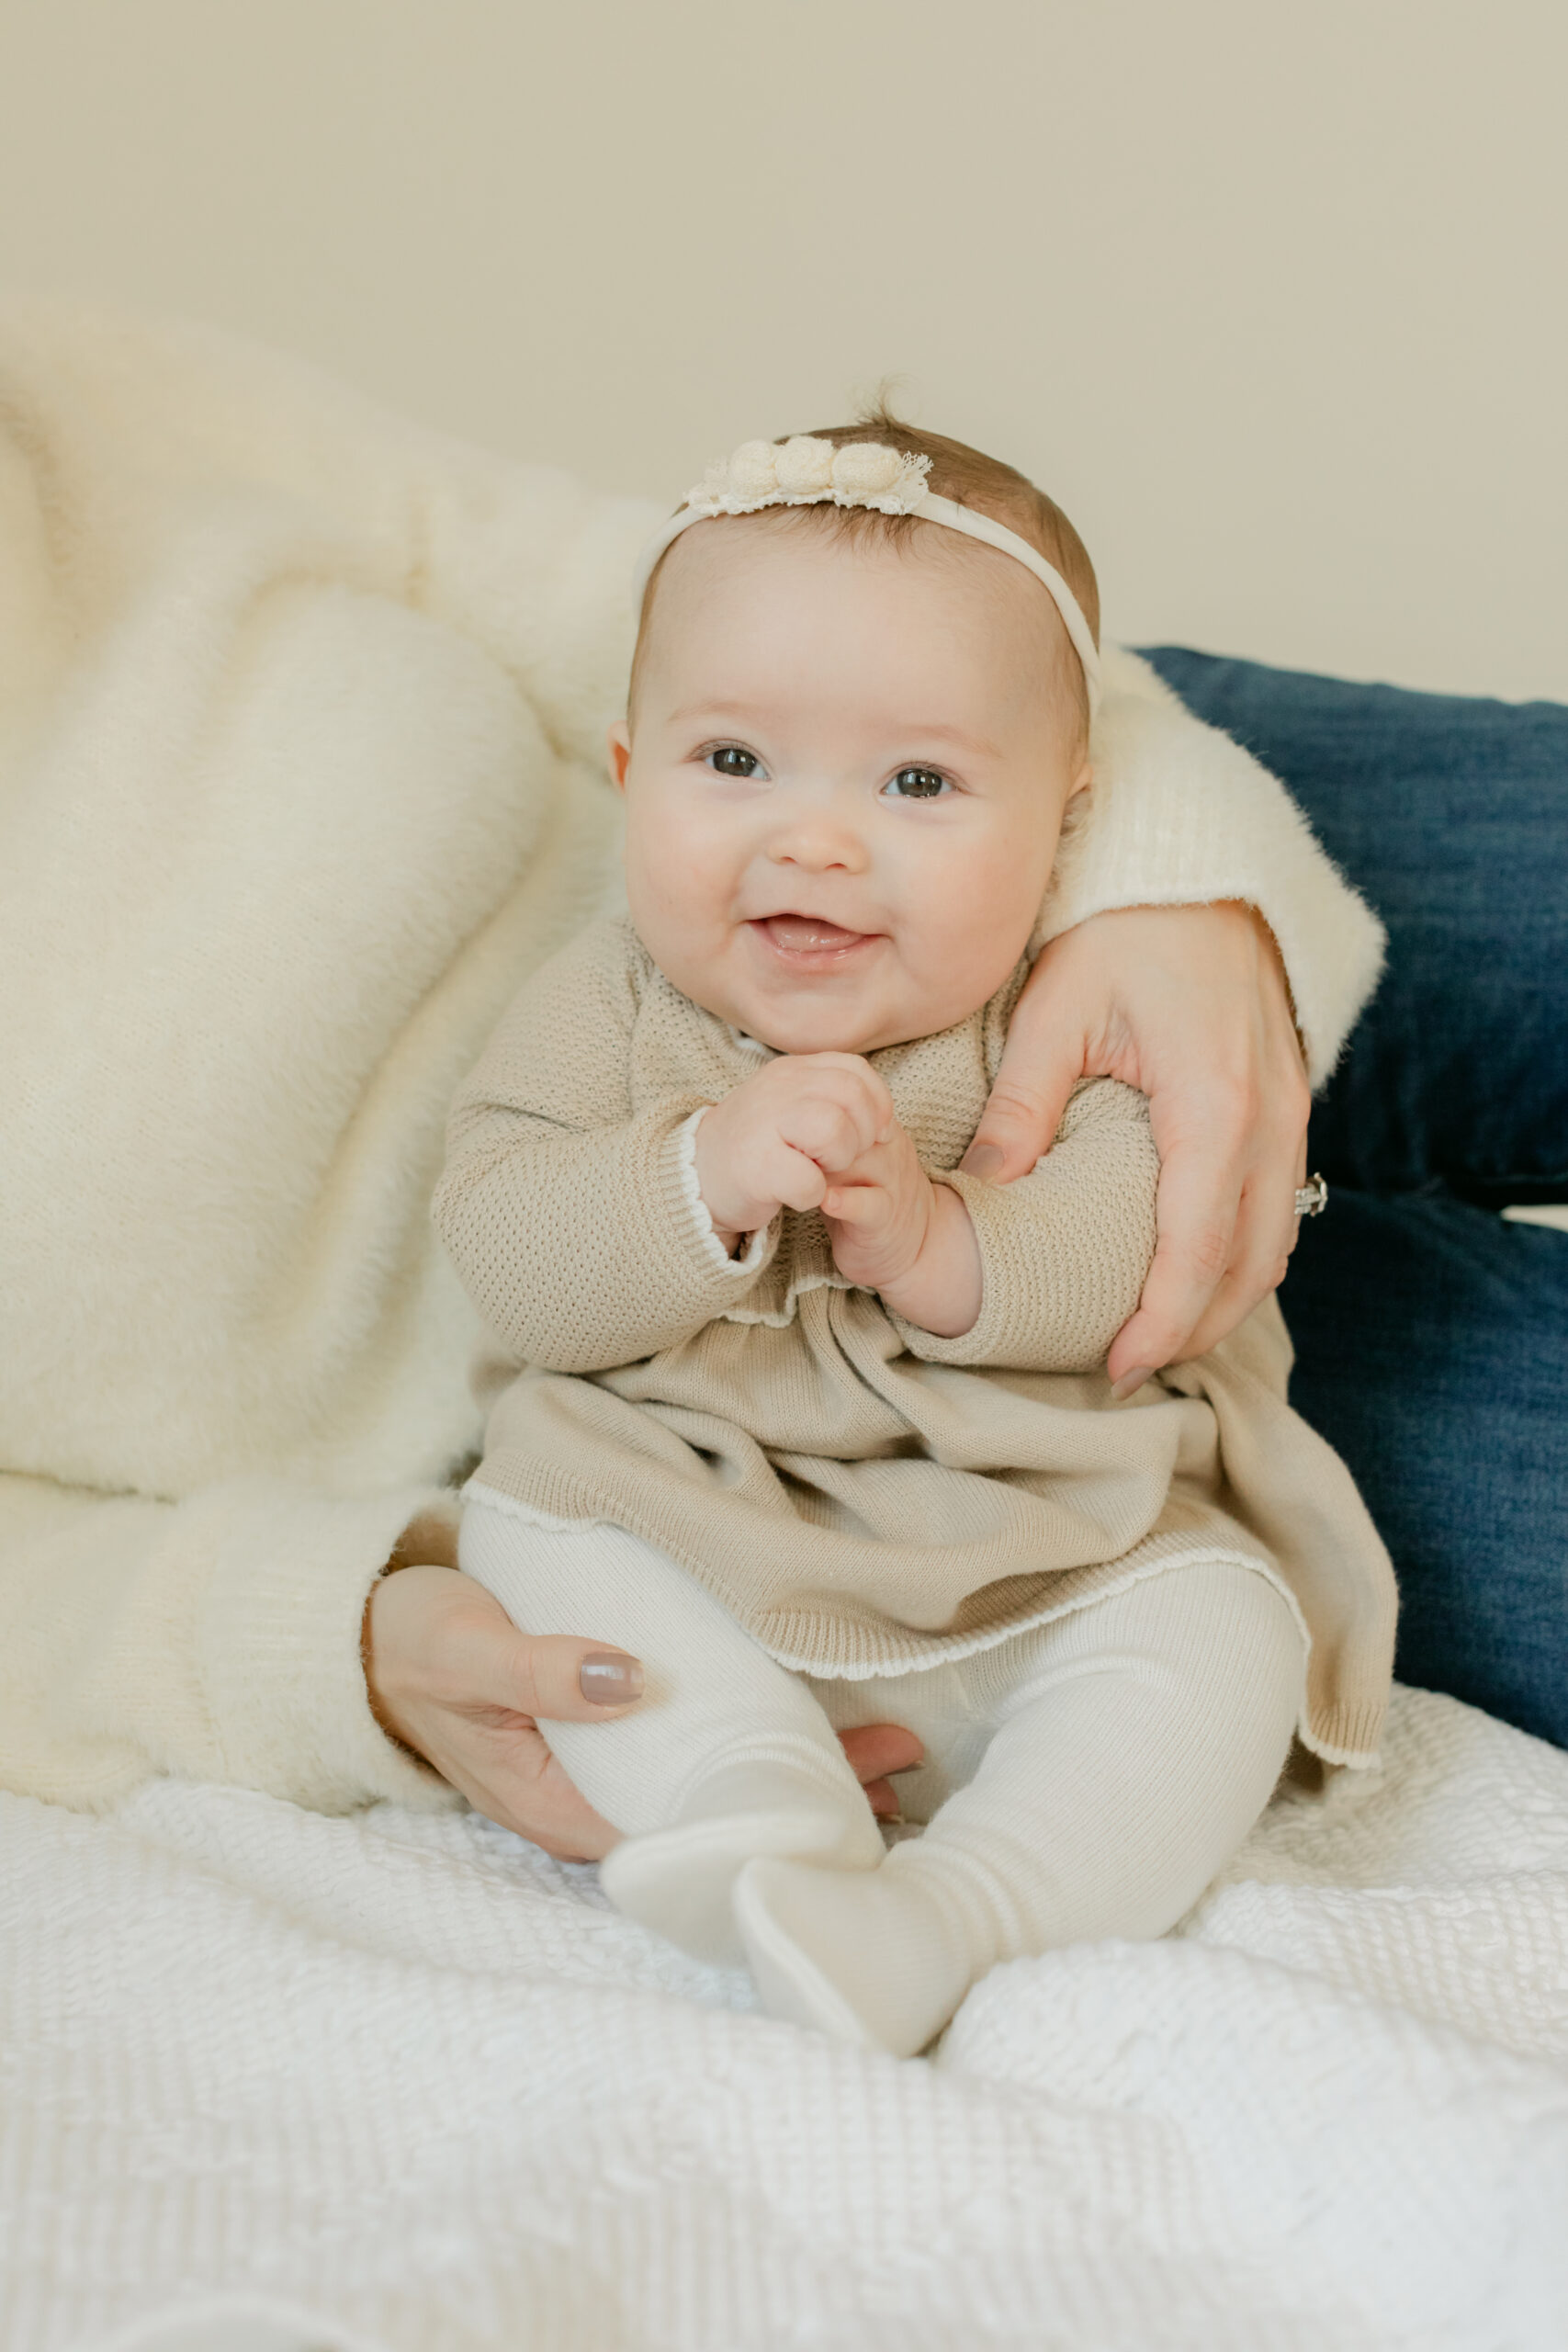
x,y
826,1129
856,1205
848,1118
876,1118
792,1178
856,1066
862,1091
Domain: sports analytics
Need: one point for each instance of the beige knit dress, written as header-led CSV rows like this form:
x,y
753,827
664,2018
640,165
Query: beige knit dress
x,y
864,1497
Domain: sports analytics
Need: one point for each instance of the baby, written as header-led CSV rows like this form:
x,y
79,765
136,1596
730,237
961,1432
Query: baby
x,y
790,1405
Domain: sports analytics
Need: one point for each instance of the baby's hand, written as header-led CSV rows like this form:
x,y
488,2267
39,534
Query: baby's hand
x,y
781,1136
879,1213
896,1232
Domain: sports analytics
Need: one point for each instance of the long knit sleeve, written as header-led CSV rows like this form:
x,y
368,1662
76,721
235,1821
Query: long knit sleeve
x,y
573,1218
1064,1251
216,1639
1178,815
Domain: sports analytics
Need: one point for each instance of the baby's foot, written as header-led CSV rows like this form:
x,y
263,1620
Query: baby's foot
x,y
869,1956
681,1880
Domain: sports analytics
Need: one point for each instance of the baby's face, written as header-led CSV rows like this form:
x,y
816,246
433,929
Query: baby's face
x,y
845,780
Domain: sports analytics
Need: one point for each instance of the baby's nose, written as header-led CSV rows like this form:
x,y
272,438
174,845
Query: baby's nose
x,y
817,842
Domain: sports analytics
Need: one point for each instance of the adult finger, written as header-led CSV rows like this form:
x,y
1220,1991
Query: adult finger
x,y
1265,1232
1042,1062
560,1678
514,1779
1196,1208
1267,1227
874,1749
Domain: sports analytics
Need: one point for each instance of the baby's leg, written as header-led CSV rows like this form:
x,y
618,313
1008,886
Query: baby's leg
x,y
727,1757
1139,1742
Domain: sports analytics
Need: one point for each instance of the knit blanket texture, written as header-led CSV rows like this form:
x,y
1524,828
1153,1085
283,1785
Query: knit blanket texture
x,y
399,2083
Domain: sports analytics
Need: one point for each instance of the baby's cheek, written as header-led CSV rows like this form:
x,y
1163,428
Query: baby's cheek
x,y
967,946
665,865
983,879
678,892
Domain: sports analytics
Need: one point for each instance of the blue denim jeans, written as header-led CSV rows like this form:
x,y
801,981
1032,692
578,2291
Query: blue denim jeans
x,y
1432,1337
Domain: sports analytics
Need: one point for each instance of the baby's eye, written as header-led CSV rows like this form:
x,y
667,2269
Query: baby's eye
x,y
730,759
917,783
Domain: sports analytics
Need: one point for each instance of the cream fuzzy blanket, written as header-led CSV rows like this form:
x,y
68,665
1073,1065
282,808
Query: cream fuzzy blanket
x,y
301,773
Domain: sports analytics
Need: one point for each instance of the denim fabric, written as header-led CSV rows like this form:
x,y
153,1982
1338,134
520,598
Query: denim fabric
x,y
1431,1336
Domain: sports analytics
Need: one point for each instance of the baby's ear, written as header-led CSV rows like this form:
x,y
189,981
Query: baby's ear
x,y
619,744
1083,779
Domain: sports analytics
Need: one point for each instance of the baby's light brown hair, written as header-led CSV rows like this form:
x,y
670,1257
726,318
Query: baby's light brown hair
x,y
971,478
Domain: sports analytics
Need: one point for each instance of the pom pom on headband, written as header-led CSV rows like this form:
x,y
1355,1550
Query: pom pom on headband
x,y
804,471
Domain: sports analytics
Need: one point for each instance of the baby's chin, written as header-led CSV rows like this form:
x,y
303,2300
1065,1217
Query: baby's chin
x,y
817,1036
827,1021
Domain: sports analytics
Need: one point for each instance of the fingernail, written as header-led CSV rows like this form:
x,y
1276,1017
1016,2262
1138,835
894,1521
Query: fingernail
x,y
609,1678
1131,1382
981,1160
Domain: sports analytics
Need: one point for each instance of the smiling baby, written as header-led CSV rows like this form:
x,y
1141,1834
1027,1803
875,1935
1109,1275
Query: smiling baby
x,y
786,1401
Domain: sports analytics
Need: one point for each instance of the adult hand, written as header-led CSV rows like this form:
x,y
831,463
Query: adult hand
x,y
1191,1005
451,1675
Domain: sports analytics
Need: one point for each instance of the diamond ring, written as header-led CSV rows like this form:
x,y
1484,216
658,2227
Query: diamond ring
x,y
1313,1198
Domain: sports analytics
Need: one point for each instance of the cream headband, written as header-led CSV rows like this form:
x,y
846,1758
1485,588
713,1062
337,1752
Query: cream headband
x,y
808,472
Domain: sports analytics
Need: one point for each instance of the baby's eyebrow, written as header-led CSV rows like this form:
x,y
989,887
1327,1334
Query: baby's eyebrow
x,y
691,710
938,733
911,735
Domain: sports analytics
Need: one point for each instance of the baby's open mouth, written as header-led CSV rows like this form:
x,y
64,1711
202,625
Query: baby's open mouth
x,y
811,939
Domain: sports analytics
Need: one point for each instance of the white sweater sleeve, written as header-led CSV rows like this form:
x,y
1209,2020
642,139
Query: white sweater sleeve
x,y
1180,815
213,1639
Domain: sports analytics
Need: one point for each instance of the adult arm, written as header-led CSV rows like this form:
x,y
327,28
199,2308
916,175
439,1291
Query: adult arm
x,y
216,1638
1199,946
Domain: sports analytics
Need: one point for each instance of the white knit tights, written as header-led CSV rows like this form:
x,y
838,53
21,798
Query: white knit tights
x,y
1102,1769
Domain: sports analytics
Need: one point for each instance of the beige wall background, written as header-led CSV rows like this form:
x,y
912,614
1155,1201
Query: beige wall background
x,y
1272,297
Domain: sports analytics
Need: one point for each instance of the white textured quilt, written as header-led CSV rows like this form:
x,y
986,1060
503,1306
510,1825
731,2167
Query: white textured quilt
x,y
404,2078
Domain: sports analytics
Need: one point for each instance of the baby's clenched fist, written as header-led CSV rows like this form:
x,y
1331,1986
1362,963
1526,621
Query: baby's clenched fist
x,y
879,1213
779,1138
